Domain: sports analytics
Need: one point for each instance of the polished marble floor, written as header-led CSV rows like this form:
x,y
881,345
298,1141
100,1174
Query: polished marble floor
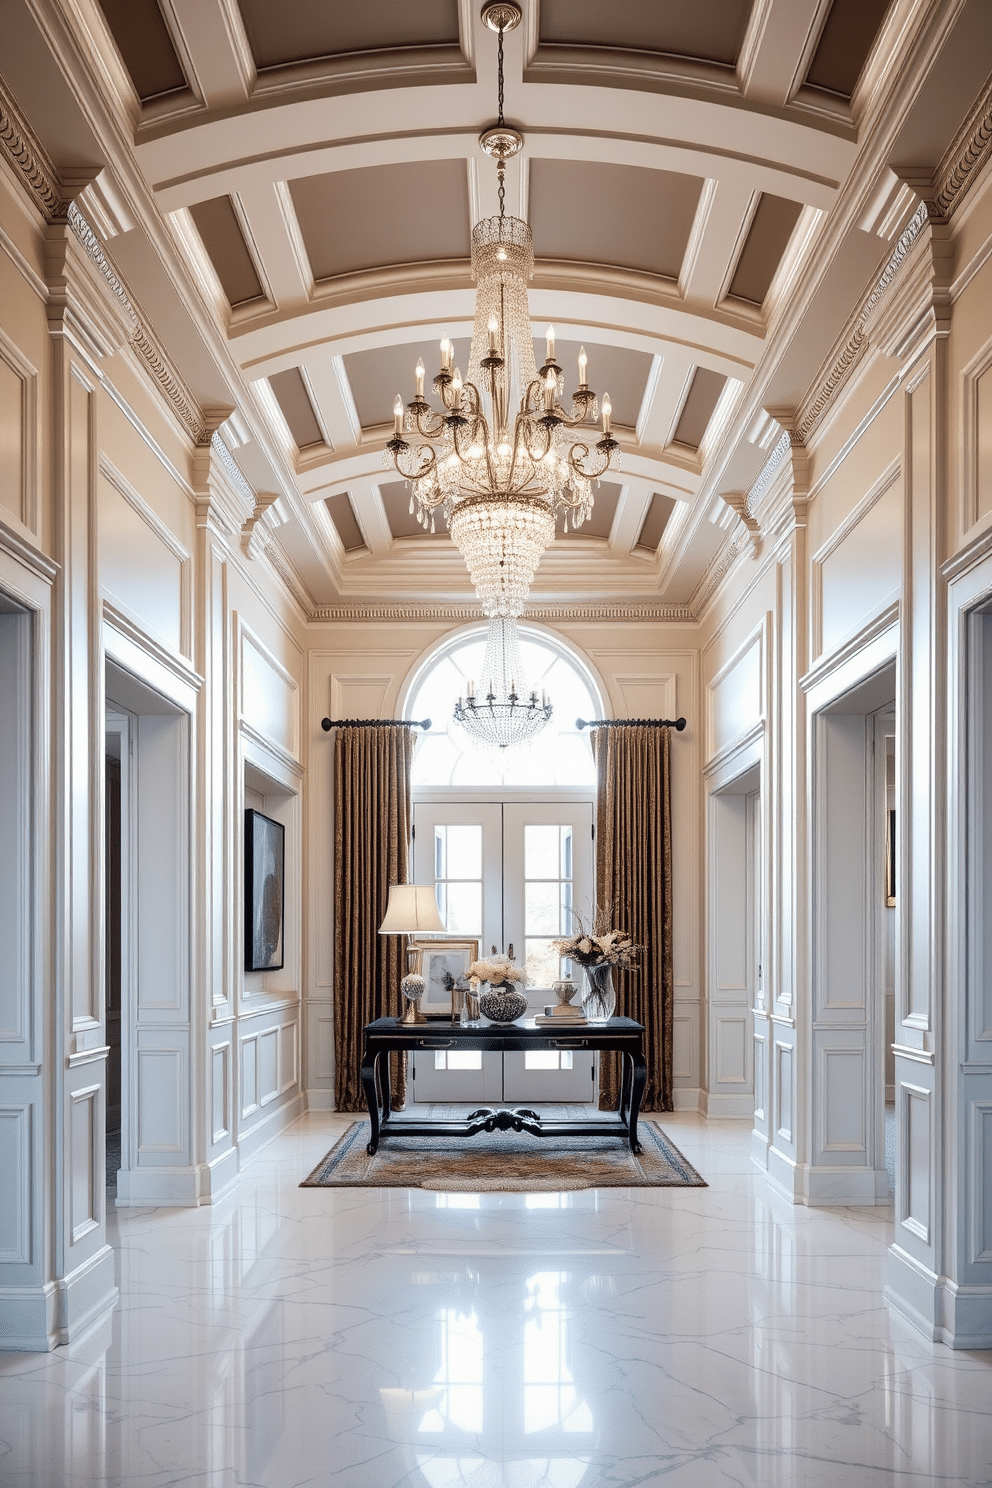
x,y
294,1337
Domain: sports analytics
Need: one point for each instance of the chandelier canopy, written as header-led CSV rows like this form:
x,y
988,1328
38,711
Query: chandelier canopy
x,y
501,713
501,455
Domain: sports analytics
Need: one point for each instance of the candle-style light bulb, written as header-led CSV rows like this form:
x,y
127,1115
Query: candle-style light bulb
x,y
398,415
607,413
551,344
550,388
456,387
421,369
493,328
583,363
447,351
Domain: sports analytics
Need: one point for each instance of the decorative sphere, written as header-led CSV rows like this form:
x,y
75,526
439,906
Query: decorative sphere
x,y
502,1004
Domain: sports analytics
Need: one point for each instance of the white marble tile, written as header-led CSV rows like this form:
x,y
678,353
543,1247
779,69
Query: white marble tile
x,y
291,1337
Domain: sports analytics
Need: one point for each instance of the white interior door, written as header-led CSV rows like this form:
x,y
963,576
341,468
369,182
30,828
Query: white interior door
x,y
507,873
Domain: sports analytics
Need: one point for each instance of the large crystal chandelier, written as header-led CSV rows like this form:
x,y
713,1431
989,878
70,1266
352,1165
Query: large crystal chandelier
x,y
500,476
500,713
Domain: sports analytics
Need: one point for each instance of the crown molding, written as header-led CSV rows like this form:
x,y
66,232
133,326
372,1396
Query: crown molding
x,y
718,569
28,158
463,613
966,156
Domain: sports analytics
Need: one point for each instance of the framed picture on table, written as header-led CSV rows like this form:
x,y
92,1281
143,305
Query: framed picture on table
x,y
441,962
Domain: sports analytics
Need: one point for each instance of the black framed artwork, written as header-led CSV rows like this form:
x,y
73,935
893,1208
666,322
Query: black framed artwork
x,y
265,865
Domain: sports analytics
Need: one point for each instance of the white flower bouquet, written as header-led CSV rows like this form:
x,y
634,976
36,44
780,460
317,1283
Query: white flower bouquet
x,y
497,971
599,945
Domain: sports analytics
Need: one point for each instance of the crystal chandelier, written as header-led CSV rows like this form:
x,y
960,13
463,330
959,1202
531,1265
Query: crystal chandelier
x,y
502,714
500,477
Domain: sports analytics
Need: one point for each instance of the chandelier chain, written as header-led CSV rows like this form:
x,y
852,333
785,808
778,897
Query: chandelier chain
x,y
501,169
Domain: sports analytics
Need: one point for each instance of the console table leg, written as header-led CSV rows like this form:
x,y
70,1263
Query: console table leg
x,y
639,1078
370,1087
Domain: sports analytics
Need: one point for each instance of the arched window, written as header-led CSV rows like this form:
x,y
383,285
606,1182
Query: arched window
x,y
560,757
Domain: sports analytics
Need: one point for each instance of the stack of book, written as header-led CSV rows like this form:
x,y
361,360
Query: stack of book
x,y
563,1014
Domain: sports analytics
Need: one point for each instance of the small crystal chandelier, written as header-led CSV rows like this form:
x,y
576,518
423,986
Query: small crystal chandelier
x,y
502,714
500,477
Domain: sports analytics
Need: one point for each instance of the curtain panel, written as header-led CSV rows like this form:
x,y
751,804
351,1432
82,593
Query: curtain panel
x,y
634,880
371,850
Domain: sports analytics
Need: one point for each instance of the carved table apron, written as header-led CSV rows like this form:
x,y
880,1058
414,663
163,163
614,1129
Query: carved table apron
x,y
388,1036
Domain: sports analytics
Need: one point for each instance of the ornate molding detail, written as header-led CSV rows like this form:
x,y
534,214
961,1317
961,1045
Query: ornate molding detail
x,y
968,153
27,156
816,402
718,570
152,354
363,611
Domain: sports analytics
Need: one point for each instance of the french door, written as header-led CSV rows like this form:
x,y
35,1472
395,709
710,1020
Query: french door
x,y
507,873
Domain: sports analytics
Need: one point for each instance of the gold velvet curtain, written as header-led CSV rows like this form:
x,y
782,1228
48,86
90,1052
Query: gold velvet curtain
x,y
634,879
371,848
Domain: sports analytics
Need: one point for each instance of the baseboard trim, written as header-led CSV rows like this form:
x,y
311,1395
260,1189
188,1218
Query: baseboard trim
x,y
687,1099
87,1294
28,1322
716,1106
260,1134
319,1100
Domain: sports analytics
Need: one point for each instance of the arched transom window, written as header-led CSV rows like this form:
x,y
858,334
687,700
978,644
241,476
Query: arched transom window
x,y
560,757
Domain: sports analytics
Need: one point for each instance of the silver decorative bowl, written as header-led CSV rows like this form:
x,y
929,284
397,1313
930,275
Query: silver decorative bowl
x,y
502,1004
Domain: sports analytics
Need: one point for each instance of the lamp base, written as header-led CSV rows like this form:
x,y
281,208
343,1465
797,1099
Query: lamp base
x,y
412,1014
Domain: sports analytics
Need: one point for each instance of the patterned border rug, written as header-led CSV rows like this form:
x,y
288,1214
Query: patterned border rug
x,y
504,1162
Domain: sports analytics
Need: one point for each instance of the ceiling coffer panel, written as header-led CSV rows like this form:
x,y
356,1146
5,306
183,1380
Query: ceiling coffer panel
x,y
623,215
395,496
600,524
220,232
845,42
767,239
293,397
704,394
707,30
300,31
610,369
144,43
655,522
383,215
375,377
342,514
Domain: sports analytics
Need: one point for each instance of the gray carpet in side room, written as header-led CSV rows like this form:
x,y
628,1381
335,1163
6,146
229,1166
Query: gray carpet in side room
x,y
503,1162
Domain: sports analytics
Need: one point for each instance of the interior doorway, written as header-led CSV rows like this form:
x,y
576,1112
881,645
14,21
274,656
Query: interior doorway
x,y
147,988
853,924
735,1028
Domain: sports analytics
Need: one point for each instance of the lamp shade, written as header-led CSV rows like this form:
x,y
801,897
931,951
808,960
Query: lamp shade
x,y
412,909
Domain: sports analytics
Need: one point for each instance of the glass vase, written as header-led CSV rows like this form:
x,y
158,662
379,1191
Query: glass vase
x,y
599,996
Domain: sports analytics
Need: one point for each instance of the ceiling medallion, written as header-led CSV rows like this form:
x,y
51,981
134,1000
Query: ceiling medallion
x,y
501,714
502,455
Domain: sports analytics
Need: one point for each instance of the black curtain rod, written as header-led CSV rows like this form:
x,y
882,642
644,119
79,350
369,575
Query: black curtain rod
x,y
675,723
328,723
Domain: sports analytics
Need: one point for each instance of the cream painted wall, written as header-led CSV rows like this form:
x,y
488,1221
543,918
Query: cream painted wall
x,y
361,669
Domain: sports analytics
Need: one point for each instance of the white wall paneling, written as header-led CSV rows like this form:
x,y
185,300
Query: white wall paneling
x,y
29,1183
19,433
144,569
858,571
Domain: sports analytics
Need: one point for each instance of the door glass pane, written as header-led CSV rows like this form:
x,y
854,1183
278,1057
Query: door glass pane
x,y
548,1059
458,876
458,1059
463,903
547,897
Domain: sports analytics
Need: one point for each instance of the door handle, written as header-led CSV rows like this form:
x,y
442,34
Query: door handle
x,y
438,1044
568,1043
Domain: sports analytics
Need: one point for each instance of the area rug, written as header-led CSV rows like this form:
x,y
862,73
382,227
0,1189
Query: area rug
x,y
504,1162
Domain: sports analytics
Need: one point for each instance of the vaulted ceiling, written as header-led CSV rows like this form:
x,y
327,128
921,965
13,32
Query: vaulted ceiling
x,y
712,188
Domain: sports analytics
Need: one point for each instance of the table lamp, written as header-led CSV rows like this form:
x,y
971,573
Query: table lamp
x,y
412,910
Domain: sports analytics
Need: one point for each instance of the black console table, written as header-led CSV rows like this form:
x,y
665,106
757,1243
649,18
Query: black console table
x,y
389,1036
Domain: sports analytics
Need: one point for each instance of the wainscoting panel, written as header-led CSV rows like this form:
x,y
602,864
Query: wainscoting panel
x,y
289,1063
979,1168
249,1076
162,1097
842,1113
268,1066
220,1070
85,1181
917,1170
784,1100
15,1184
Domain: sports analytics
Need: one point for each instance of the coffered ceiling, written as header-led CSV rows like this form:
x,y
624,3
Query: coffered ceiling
x,y
713,188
